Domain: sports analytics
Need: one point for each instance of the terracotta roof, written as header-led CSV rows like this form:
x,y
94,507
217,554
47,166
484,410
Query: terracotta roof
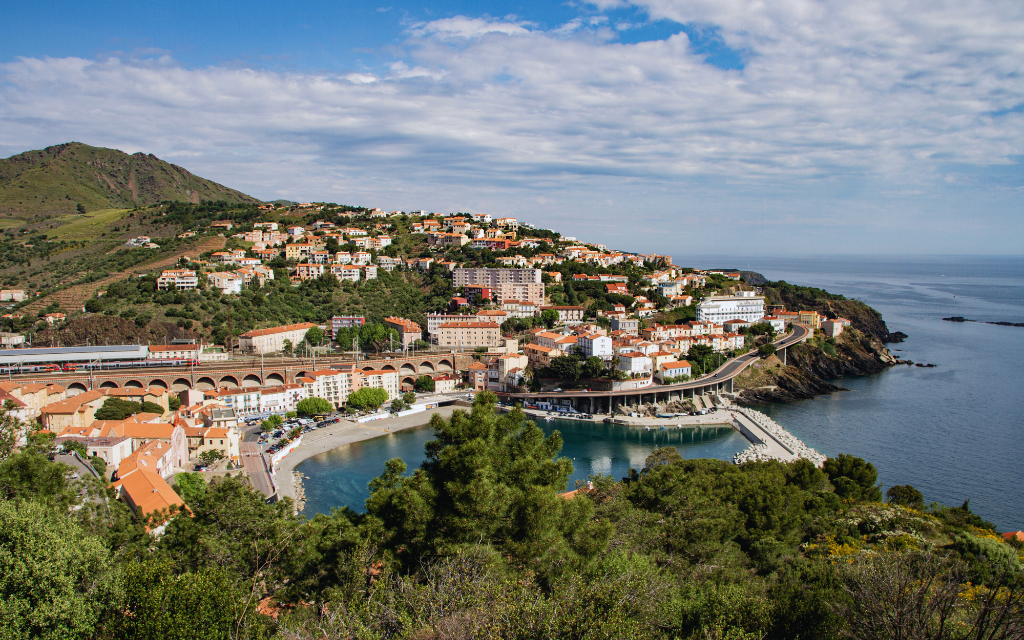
x,y
477,366
469,325
282,329
149,492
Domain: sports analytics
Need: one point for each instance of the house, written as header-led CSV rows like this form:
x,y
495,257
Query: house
x,y
54,318
476,376
776,323
175,351
227,282
555,341
146,493
519,308
566,314
345,322
73,412
635,363
736,324
833,328
594,344
506,371
408,331
308,271
539,356
445,383
181,279
155,456
282,398
629,325
674,369
810,318
12,295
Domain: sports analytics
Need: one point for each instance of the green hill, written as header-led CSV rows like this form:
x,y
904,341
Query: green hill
x,y
55,180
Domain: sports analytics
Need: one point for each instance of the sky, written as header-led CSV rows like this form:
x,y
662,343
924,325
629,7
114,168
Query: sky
x,y
669,126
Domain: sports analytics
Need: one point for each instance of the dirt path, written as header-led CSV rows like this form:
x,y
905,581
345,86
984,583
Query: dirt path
x,y
72,298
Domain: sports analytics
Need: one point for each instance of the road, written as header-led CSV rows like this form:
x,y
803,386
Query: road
x,y
727,371
252,462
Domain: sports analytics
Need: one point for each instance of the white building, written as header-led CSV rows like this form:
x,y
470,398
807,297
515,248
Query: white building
x,y
282,399
272,340
184,279
594,344
634,362
226,281
745,305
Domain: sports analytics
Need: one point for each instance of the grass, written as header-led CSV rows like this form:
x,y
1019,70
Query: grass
x,y
11,223
86,227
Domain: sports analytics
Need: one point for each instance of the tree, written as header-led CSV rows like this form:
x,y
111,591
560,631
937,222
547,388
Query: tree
x,y
210,456
766,350
906,496
117,409
287,347
549,317
593,367
409,397
314,336
10,429
50,574
272,422
425,383
191,486
368,398
173,403
853,478
566,368
397,405
313,407
488,479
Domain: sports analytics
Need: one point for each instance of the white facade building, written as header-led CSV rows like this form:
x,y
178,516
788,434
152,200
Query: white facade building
x,y
594,344
745,305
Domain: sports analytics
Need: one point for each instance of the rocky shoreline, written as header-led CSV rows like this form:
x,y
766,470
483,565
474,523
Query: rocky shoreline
x,y
809,369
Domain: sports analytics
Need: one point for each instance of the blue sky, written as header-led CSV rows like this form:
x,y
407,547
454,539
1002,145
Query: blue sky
x,y
652,125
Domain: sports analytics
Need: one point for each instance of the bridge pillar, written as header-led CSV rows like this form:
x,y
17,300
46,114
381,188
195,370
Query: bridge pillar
x,y
783,356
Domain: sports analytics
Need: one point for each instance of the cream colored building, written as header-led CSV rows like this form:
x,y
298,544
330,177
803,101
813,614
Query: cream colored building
x,y
468,335
272,340
332,385
386,380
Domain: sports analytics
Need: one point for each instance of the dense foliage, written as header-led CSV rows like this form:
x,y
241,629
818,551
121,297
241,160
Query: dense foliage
x,y
478,543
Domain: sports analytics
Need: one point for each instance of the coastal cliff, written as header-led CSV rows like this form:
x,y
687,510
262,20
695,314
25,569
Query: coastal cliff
x,y
810,365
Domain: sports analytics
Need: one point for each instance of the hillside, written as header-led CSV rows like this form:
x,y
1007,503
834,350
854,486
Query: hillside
x,y
55,180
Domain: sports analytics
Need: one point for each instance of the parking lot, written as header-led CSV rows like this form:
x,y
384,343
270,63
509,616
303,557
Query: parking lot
x,y
272,441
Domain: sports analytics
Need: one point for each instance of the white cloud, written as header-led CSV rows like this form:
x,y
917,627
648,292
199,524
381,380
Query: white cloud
x,y
463,27
841,109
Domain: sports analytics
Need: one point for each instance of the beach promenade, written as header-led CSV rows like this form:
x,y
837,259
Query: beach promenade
x,y
346,432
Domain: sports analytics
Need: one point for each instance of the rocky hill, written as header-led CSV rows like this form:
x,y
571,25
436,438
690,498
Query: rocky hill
x,y
55,180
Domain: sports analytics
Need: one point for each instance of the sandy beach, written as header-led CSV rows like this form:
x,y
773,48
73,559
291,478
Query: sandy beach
x,y
346,432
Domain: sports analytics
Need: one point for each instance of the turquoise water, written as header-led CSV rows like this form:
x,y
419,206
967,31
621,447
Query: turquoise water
x,y
338,478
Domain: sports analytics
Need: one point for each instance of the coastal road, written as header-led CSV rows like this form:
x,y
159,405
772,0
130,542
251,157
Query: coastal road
x,y
252,462
727,371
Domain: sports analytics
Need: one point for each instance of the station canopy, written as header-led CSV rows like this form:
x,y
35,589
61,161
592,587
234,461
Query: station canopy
x,y
73,354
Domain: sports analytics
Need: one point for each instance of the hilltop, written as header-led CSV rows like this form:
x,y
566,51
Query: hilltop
x,y
54,181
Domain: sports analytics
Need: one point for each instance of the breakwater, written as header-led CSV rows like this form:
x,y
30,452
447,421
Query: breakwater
x,y
769,441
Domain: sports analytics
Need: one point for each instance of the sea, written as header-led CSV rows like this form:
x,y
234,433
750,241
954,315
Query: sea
x,y
954,431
